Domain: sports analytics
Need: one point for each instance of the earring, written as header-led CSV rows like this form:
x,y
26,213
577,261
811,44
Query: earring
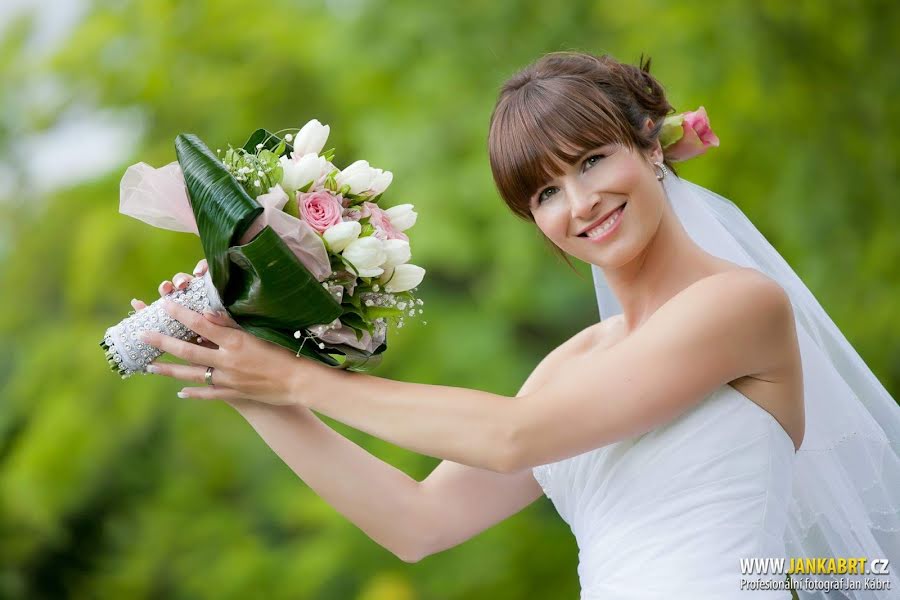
x,y
664,171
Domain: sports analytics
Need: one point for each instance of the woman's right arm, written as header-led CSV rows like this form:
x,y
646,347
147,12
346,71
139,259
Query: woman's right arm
x,y
383,501
409,518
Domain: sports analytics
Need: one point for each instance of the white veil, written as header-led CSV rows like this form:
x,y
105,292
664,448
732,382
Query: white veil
x,y
847,472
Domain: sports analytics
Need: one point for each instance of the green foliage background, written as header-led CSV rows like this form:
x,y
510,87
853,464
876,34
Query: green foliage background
x,y
112,489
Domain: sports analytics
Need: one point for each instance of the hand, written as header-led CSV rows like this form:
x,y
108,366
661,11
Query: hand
x,y
244,367
179,282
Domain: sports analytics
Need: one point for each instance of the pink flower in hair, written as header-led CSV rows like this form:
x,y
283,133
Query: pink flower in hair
x,y
687,135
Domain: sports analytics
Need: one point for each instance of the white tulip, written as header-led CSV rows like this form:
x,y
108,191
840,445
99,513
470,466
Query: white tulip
x,y
366,255
310,139
402,216
339,236
405,277
380,182
397,252
358,176
300,173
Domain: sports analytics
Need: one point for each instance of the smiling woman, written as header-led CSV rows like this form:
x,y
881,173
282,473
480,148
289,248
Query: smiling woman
x,y
668,434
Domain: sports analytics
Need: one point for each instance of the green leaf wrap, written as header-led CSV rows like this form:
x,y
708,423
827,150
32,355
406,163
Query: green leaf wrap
x,y
222,209
269,287
265,288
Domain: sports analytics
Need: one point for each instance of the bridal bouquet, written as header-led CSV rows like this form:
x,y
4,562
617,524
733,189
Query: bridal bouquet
x,y
300,253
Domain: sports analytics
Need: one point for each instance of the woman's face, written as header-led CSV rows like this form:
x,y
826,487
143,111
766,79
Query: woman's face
x,y
605,208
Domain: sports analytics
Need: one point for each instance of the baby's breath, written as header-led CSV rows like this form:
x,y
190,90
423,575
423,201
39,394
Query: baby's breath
x,y
256,172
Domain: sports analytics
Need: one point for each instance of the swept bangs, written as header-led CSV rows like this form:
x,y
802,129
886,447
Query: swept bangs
x,y
540,128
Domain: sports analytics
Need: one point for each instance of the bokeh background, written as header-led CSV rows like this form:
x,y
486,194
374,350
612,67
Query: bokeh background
x,y
118,489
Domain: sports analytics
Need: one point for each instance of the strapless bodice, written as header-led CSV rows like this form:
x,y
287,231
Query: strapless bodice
x,y
669,514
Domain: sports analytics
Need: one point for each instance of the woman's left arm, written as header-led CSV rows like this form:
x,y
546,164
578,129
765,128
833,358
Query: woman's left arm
x,y
711,333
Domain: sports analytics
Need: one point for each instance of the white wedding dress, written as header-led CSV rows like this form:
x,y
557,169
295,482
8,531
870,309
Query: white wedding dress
x,y
669,514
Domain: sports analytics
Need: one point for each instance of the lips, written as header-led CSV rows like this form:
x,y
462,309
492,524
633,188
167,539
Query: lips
x,y
600,220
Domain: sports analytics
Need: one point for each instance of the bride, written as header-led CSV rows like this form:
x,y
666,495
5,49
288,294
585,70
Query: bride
x,y
714,414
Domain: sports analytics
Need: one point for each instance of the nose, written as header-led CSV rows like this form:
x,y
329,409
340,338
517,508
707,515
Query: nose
x,y
583,201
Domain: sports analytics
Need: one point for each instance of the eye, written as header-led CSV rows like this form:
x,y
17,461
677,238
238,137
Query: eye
x,y
546,193
592,160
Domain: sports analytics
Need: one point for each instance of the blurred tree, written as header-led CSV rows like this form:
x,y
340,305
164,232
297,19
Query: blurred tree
x,y
112,489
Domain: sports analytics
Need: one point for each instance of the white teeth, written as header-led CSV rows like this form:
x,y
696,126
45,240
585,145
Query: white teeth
x,y
605,225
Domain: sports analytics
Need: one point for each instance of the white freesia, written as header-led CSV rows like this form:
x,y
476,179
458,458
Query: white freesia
x,y
339,236
402,216
405,277
358,176
299,173
386,276
380,181
364,179
366,255
397,252
310,139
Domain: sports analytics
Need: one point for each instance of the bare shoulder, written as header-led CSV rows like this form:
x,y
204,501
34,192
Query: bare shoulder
x,y
755,285
743,292
761,311
581,343
599,335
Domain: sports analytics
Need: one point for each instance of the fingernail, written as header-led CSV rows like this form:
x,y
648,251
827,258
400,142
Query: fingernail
x,y
181,395
152,369
143,336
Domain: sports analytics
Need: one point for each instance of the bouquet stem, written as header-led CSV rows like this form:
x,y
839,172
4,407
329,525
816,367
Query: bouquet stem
x,y
127,355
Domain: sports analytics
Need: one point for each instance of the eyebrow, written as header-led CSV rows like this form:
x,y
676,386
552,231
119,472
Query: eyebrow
x,y
584,156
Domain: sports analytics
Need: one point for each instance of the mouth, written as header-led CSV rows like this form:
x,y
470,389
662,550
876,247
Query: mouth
x,y
604,223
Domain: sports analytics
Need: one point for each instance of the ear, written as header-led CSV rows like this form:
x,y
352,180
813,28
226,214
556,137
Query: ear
x,y
656,153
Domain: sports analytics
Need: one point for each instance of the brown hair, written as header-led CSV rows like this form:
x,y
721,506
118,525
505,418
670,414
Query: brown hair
x,y
559,107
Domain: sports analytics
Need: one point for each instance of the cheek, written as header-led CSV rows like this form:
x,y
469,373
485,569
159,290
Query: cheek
x,y
552,222
625,176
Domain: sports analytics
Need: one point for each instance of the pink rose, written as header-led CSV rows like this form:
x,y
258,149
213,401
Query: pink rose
x,y
319,209
384,230
696,136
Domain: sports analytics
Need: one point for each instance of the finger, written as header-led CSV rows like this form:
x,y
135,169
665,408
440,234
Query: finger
x,y
193,373
185,350
197,323
201,268
221,318
137,304
211,392
166,288
181,280
206,344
